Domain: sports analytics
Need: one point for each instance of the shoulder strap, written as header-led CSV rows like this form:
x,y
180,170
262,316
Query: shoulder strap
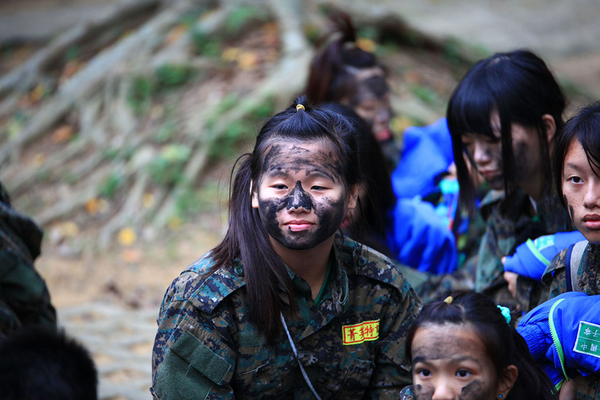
x,y
573,261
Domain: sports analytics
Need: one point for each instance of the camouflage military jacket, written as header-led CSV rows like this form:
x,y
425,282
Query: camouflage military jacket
x,y
588,277
351,344
504,231
24,297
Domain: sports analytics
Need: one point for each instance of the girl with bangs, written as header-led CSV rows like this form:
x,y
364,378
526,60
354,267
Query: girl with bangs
x,y
503,117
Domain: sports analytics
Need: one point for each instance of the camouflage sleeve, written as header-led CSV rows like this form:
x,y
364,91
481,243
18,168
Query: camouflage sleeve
x,y
554,277
530,293
190,359
23,292
392,369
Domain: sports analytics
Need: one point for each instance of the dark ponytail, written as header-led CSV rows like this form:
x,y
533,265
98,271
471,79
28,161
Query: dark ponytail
x,y
246,238
329,79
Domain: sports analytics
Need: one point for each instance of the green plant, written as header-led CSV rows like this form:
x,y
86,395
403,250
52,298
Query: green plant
x,y
166,131
109,186
139,95
425,94
240,18
166,169
206,45
173,75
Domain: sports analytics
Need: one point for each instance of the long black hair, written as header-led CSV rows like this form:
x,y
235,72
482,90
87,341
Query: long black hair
x,y
331,77
520,87
246,238
502,342
585,127
371,223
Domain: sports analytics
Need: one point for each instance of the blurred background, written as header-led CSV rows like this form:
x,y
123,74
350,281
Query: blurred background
x,y
120,122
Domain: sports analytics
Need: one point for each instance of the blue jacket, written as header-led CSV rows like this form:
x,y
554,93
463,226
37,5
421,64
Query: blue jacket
x,y
420,238
427,153
563,335
532,257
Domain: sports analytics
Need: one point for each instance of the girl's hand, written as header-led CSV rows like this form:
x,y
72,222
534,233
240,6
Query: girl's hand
x,y
568,391
511,278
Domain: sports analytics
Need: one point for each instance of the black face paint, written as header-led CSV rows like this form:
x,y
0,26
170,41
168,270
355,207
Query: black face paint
x,y
424,392
570,207
299,198
475,390
298,204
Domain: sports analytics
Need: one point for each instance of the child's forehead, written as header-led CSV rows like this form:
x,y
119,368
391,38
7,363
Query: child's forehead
x,y
307,156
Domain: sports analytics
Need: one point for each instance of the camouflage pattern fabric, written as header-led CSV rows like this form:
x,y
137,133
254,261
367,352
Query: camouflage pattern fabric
x,y
504,232
588,277
351,344
24,297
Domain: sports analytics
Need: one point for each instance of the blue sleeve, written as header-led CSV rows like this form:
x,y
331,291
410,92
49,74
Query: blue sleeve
x,y
563,334
532,257
421,239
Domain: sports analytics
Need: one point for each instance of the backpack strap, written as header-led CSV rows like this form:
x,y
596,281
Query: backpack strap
x,y
573,262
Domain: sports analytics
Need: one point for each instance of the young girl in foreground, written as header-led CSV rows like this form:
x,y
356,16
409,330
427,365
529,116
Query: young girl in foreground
x,y
284,307
464,347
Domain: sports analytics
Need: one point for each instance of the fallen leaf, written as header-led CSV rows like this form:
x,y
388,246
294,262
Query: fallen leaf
x,y
127,237
148,200
37,93
92,206
131,256
176,33
399,124
38,160
62,134
366,44
174,223
231,53
248,60
69,229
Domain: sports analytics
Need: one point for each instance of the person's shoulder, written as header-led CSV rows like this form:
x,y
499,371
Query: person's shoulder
x,y
204,286
364,261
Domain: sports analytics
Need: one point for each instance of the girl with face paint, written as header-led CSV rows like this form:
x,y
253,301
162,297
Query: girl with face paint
x,y
503,117
577,177
285,306
343,73
464,347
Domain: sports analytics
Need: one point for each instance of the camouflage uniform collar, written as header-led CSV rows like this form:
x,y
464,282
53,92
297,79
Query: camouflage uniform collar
x,y
338,281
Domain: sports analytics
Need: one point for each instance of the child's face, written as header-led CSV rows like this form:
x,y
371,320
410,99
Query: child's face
x,y
301,195
450,362
487,154
581,190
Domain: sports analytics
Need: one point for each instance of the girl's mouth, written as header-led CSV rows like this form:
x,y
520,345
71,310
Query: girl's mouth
x,y
592,221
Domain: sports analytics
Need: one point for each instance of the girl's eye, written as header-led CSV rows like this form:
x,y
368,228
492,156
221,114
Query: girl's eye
x,y
280,186
575,179
318,188
463,373
424,372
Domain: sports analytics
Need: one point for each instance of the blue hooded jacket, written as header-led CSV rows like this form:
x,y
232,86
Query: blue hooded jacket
x,y
563,335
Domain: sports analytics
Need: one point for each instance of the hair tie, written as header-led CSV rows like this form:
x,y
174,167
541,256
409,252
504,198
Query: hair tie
x,y
505,313
300,107
448,300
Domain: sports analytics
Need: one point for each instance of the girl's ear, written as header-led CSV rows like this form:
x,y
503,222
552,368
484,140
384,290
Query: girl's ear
x,y
253,194
353,197
550,126
507,380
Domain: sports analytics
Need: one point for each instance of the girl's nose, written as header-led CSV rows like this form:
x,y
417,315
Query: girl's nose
x,y
443,391
481,153
592,195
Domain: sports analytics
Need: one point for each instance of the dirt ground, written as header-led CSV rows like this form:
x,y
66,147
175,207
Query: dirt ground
x,y
135,276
